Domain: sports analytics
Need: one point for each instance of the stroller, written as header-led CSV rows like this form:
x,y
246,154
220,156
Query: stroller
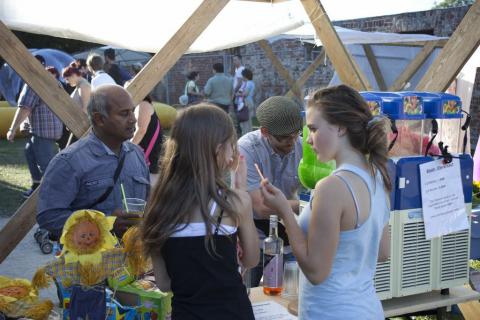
x,y
43,239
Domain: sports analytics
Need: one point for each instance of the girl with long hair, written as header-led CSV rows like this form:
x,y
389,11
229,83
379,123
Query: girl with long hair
x,y
342,233
194,219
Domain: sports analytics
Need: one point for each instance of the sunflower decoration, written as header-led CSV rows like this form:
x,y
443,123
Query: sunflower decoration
x,y
18,298
86,235
90,252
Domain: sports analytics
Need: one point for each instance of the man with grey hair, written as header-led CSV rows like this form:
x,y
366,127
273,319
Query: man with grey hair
x,y
95,66
91,173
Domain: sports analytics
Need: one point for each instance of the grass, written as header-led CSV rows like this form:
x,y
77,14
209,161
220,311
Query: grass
x,y
14,176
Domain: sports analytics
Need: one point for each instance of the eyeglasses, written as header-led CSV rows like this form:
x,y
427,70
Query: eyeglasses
x,y
292,136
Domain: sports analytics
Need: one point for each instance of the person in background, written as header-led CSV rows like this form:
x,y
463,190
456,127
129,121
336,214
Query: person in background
x,y
237,83
81,94
277,150
246,92
45,129
239,67
192,242
82,67
95,66
148,134
90,173
194,95
113,69
218,88
343,232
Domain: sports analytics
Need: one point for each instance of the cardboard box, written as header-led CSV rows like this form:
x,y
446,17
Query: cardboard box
x,y
149,302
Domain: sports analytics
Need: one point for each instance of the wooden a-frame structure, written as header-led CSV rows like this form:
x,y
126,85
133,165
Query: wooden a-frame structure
x,y
454,55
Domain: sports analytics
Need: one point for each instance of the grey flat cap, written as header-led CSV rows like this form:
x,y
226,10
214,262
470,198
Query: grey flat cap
x,y
280,115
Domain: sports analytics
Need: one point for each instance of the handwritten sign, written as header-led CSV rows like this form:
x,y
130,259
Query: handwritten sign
x,y
443,203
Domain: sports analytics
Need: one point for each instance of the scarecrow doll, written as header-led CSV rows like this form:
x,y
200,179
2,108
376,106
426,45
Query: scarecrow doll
x,y
89,256
18,298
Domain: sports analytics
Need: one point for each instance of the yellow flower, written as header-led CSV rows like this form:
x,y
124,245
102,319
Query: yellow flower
x,y
86,235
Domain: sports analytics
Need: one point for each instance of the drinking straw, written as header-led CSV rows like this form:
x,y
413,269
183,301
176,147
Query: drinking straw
x,y
259,172
124,197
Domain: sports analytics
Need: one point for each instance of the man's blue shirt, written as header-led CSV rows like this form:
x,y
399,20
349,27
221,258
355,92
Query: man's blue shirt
x,y
80,174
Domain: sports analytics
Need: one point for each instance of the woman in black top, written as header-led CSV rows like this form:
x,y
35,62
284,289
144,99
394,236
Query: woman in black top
x,y
194,219
148,132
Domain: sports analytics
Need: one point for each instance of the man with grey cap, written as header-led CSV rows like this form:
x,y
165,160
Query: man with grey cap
x,y
277,150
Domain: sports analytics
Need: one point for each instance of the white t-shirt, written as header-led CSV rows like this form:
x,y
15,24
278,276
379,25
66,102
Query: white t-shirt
x,y
238,76
101,77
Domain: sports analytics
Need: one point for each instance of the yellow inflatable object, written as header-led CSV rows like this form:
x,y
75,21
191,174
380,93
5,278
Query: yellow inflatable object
x,y
165,113
6,116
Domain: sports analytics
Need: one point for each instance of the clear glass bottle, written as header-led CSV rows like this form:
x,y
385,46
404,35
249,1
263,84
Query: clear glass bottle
x,y
273,260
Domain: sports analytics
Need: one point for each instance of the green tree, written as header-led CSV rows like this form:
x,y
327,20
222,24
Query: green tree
x,y
452,3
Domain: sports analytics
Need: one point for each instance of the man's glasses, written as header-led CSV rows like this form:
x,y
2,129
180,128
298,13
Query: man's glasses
x,y
292,136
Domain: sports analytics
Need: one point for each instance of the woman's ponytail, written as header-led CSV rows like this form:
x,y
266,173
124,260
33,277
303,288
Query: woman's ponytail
x,y
376,146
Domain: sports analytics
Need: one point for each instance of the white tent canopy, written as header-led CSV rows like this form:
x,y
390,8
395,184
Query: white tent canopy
x,y
349,36
145,25
391,60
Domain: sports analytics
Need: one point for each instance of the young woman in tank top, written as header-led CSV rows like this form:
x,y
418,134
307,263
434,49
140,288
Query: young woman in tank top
x,y
341,235
194,219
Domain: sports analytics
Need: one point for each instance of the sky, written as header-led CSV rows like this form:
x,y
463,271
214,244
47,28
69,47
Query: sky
x,y
351,9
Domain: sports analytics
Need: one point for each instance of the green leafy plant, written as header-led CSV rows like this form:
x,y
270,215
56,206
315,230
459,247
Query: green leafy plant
x,y
452,3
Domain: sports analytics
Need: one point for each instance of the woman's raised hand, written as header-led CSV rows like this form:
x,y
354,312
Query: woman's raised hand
x,y
274,198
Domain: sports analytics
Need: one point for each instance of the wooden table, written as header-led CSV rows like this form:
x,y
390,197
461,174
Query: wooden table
x,y
396,306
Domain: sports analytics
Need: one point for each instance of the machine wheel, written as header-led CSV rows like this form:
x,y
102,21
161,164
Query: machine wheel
x,y
46,247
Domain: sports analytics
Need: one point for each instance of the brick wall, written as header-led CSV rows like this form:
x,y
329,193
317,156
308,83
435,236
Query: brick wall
x,y
438,22
475,112
294,55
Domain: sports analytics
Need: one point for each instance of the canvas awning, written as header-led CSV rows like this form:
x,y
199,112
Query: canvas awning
x,y
144,25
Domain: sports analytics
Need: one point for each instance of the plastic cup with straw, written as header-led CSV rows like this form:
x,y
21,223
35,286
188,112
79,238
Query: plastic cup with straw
x,y
124,197
132,205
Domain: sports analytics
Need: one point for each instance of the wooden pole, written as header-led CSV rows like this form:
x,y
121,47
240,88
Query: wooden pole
x,y
438,43
375,68
24,218
277,64
18,226
308,72
413,66
459,48
159,65
346,67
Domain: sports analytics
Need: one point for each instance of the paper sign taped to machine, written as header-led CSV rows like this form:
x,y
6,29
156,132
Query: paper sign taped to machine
x,y
443,203
270,310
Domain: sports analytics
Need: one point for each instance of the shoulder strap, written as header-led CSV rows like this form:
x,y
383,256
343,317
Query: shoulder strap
x,y
107,192
152,142
219,220
353,196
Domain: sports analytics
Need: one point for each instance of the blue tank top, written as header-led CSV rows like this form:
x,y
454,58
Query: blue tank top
x,y
348,292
